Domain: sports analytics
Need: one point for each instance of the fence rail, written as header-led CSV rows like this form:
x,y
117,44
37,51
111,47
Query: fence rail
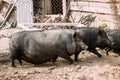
x,y
50,24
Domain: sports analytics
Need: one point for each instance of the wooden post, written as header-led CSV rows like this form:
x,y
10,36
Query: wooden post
x,y
47,6
67,9
64,7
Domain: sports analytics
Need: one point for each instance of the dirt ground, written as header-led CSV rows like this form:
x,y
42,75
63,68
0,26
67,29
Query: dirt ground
x,y
89,67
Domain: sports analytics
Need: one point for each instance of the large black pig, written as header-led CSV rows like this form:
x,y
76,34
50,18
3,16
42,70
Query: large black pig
x,y
93,37
114,36
38,47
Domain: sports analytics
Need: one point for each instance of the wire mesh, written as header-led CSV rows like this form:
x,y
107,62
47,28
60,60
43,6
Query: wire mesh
x,y
56,6
42,7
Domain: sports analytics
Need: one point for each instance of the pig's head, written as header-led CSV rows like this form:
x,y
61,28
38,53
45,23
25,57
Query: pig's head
x,y
102,40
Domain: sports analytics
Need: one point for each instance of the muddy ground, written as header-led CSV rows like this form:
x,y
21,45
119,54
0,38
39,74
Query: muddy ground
x,y
89,67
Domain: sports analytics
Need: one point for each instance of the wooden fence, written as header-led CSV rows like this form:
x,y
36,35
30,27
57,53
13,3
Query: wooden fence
x,y
107,11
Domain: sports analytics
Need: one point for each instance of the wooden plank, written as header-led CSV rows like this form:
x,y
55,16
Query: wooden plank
x,y
77,15
104,8
109,20
7,1
99,0
8,14
1,18
50,24
9,6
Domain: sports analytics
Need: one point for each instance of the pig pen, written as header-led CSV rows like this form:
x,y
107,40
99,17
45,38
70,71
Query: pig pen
x,y
89,67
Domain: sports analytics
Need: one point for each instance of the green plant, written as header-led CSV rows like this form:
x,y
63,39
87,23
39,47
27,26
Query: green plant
x,y
103,26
